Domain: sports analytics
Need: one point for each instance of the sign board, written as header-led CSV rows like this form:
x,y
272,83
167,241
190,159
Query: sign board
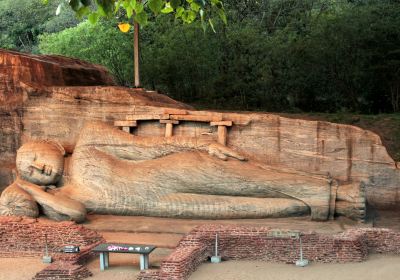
x,y
284,234
124,248
71,249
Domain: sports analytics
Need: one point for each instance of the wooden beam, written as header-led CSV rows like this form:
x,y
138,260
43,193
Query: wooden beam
x,y
222,134
143,117
196,118
225,123
172,111
125,123
169,121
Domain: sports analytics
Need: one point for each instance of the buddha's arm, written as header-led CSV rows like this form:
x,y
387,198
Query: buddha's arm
x,y
124,145
59,204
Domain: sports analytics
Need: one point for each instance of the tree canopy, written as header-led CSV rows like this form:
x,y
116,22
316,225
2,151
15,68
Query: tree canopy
x,y
22,21
184,10
275,55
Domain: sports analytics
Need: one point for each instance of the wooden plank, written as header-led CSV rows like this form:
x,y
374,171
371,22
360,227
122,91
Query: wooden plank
x,y
142,117
169,121
225,123
172,111
125,123
195,118
222,134
169,129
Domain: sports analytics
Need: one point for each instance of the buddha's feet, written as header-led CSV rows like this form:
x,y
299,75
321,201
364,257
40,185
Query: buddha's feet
x,y
351,201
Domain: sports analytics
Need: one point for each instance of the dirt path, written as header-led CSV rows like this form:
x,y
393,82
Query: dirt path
x,y
376,267
20,268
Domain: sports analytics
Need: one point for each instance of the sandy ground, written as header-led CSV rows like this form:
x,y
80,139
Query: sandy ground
x,y
376,267
19,268
125,266
122,266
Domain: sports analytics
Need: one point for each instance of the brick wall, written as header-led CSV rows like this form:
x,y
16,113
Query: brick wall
x,y
258,243
61,270
380,240
25,237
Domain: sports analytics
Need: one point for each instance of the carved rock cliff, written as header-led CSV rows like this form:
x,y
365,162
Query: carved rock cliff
x,y
43,97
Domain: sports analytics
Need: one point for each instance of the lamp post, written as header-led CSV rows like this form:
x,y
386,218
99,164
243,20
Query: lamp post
x,y
136,54
125,27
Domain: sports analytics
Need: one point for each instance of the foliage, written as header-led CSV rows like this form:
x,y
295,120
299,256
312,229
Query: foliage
x,y
100,43
23,20
185,10
276,55
288,55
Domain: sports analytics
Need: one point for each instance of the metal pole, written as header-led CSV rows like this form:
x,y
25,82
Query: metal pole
x,y
301,250
46,248
216,244
302,262
216,258
46,258
136,54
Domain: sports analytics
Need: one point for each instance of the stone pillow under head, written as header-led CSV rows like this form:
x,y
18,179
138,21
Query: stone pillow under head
x,y
14,201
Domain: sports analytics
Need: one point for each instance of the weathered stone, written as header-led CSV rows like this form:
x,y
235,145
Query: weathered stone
x,y
23,74
309,148
35,96
113,172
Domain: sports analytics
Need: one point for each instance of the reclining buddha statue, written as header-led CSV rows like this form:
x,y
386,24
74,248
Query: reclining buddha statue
x,y
114,172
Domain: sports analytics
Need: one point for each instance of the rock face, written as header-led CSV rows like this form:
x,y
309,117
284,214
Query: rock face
x,y
42,71
345,153
114,172
20,72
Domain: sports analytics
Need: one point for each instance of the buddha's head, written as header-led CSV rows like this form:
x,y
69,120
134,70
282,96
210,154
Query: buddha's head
x,y
40,162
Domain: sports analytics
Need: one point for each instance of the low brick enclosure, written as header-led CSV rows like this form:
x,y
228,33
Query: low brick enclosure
x,y
25,237
261,243
63,270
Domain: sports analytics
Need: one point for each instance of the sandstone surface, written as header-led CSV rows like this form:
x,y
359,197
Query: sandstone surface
x,y
58,109
19,72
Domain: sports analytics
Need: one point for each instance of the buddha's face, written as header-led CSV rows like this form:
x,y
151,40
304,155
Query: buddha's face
x,y
41,163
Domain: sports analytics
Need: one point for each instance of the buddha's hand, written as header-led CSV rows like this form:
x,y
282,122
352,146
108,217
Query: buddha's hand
x,y
223,152
46,169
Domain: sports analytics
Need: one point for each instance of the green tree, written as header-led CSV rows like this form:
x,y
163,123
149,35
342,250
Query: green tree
x,y
22,21
276,55
141,11
100,43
